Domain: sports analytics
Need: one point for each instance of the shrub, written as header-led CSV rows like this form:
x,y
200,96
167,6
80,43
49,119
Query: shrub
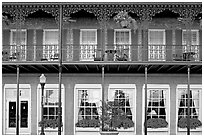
x,y
194,123
156,123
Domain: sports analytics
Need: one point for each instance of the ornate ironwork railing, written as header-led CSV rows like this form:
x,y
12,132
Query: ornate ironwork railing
x,y
86,52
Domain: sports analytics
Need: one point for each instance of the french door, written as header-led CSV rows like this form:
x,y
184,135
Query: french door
x,y
24,111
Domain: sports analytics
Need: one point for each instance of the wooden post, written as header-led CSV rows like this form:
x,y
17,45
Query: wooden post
x,y
60,71
188,116
145,122
17,103
103,97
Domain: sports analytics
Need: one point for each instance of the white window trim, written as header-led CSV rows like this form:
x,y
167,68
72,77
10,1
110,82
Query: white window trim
x,y
48,30
164,35
76,88
127,86
93,30
157,86
122,30
192,86
50,86
14,86
192,30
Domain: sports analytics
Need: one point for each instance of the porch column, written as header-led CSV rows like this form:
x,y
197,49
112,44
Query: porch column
x,y
188,116
145,122
60,69
17,102
103,96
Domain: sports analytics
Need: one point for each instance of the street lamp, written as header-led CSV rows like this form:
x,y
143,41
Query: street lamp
x,y
42,83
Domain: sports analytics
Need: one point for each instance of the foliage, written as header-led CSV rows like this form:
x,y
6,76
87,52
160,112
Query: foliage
x,y
123,16
156,123
194,123
52,123
114,117
88,123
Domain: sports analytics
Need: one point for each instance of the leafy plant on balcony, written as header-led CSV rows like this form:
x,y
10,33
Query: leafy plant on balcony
x,y
88,123
125,20
194,123
156,123
51,123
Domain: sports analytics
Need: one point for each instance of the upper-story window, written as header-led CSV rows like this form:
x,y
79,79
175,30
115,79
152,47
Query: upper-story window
x,y
50,44
194,48
122,41
18,44
88,42
156,42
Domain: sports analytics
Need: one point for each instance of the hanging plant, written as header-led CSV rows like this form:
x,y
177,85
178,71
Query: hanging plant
x,y
125,20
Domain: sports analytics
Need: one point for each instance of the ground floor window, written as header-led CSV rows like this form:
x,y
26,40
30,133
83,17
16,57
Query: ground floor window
x,y
195,107
123,97
87,103
50,106
157,107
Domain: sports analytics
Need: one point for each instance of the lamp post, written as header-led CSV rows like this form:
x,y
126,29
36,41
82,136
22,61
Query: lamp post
x,y
42,83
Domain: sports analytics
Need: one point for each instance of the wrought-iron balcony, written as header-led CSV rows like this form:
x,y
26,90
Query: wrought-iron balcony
x,y
95,53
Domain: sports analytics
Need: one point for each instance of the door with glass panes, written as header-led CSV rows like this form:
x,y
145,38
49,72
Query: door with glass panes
x,y
11,107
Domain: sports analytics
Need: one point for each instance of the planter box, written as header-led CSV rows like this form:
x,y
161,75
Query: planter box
x,y
109,132
191,130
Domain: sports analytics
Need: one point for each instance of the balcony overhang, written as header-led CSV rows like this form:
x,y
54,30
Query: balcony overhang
x,y
96,67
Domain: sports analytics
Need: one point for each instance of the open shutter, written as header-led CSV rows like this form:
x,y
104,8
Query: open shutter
x,y
76,44
39,46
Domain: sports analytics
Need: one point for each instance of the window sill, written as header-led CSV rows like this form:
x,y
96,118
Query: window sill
x,y
157,129
192,130
87,129
126,130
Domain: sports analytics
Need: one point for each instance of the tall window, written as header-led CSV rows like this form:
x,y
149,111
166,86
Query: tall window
x,y
18,45
50,108
122,42
157,107
123,96
194,49
156,48
88,41
195,107
50,47
88,103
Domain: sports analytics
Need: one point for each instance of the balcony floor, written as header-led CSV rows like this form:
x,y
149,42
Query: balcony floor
x,y
96,67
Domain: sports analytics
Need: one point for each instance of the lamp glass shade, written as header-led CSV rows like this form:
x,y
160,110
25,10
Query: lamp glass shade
x,y
42,79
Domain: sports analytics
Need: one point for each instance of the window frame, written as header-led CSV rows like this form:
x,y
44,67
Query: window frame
x,y
192,86
11,41
157,86
39,93
163,44
94,44
44,44
129,42
84,87
127,86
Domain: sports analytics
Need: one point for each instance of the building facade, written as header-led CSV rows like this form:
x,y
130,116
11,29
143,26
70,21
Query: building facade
x,y
134,53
